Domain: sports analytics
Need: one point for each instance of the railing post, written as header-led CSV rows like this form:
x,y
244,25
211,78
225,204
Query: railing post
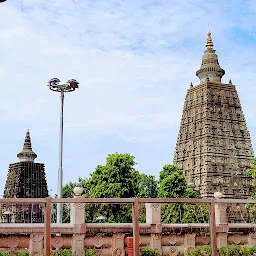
x,y
221,221
153,217
77,209
213,229
47,228
136,227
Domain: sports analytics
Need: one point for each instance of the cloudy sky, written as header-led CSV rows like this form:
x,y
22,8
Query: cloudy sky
x,y
134,60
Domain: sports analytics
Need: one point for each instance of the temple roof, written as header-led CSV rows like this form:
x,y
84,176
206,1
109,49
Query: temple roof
x,y
27,154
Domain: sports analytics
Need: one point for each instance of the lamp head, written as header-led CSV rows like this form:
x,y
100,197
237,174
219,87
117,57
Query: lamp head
x,y
73,83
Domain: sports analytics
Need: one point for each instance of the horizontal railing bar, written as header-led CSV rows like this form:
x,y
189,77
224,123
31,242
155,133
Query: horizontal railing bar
x,y
92,200
22,200
125,200
236,201
173,200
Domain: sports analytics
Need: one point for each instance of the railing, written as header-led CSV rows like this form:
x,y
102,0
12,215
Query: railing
x,y
217,226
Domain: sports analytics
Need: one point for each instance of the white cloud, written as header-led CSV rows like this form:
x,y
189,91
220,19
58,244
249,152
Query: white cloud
x,y
134,61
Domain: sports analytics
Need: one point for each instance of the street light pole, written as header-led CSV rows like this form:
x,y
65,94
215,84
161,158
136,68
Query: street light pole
x,y
60,170
54,85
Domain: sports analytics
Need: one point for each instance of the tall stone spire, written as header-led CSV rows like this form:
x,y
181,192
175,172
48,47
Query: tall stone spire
x,y
214,146
27,155
210,67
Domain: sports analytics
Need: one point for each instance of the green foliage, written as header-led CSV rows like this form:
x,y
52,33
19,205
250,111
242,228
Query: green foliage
x,y
251,172
149,252
232,250
118,178
174,185
148,186
68,252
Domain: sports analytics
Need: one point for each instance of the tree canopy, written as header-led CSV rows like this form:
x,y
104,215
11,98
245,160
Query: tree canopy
x,y
118,178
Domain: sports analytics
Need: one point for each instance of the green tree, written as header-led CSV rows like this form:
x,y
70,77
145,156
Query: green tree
x,y
118,178
172,184
251,172
149,186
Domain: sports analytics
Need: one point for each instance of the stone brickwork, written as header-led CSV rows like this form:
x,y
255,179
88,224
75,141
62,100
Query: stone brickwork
x,y
26,179
214,146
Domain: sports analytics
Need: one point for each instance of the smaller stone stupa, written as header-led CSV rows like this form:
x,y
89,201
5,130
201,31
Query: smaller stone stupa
x,y
26,179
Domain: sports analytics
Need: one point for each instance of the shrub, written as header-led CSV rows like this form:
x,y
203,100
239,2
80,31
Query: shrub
x,y
149,252
232,250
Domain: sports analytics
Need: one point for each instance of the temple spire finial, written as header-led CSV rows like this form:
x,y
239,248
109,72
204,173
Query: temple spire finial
x,y
209,42
27,154
210,69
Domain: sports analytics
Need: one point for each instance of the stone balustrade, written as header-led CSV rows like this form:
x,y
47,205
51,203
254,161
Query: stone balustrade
x,y
113,238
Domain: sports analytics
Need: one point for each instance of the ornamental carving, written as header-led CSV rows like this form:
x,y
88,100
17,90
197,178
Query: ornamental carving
x,y
236,239
155,205
228,145
205,240
79,205
172,239
119,252
57,242
97,241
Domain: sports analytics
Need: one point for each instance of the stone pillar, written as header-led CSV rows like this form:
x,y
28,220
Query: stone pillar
x,y
153,213
118,245
189,242
156,242
78,219
77,209
221,221
153,217
36,244
78,244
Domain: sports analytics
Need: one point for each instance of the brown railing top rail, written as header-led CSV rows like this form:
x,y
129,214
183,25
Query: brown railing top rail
x,y
124,200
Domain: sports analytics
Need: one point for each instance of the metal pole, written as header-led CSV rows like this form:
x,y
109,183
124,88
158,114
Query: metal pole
x,y
136,227
47,228
213,229
60,170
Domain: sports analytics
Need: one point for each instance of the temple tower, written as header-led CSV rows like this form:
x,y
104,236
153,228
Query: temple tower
x,y
214,146
26,179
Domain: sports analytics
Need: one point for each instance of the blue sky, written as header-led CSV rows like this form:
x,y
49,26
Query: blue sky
x,y
134,60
